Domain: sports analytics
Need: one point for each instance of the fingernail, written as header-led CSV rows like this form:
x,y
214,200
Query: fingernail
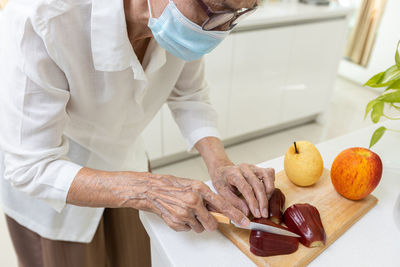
x,y
258,214
244,222
265,212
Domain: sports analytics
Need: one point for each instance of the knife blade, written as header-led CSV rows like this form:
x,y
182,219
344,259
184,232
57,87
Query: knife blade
x,y
253,226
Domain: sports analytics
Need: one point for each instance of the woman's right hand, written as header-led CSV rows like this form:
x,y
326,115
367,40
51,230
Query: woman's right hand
x,y
182,202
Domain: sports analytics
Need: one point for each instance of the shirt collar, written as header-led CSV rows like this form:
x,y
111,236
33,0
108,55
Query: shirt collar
x,y
111,49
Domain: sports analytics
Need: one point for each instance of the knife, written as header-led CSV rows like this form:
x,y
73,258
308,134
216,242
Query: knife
x,y
253,226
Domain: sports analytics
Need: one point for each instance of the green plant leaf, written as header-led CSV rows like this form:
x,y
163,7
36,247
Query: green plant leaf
x,y
385,78
389,75
395,85
393,97
390,79
377,111
369,107
377,135
374,81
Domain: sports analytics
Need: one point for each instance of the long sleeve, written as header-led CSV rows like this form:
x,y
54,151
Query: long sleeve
x,y
190,105
34,96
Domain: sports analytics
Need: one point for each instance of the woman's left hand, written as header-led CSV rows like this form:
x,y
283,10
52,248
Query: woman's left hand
x,y
254,183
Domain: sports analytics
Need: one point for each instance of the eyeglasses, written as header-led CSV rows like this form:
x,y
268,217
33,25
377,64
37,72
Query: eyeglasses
x,y
219,18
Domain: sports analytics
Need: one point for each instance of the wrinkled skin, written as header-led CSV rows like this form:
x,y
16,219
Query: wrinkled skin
x,y
180,202
254,183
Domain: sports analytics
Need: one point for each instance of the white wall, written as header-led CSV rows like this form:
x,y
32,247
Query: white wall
x,y
384,49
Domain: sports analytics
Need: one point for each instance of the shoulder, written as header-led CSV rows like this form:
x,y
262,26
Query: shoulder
x,y
40,13
26,23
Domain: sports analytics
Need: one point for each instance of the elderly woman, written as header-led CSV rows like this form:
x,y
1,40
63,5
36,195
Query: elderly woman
x,y
79,81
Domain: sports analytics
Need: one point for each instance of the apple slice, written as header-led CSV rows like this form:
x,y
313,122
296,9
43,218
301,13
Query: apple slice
x,y
304,220
266,244
276,206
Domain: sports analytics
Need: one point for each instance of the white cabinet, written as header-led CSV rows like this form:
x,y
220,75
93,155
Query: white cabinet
x,y
282,74
260,61
314,55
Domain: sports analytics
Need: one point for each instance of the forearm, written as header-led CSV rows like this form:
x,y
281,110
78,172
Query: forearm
x,y
180,202
96,188
213,153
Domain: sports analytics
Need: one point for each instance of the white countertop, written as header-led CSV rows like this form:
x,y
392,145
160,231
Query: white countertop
x,y
292,12
372,241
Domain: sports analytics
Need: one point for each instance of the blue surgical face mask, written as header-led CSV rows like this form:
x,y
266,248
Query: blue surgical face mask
x,y
182,37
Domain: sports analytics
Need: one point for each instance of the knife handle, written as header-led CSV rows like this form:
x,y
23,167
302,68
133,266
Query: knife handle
x,y
221,218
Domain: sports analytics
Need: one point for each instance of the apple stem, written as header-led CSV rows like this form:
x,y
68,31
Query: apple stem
x,y
295,148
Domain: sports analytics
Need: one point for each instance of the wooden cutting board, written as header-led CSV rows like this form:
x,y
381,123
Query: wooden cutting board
x,y
337,214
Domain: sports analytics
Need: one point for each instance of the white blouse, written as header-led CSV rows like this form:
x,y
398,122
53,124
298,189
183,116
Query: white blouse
x,y
73,94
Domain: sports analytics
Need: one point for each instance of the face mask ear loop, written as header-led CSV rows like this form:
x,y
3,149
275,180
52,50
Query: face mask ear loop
x,y
148,5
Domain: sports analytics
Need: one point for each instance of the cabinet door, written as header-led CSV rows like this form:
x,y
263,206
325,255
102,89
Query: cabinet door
x,y
152,137
314,57
260,60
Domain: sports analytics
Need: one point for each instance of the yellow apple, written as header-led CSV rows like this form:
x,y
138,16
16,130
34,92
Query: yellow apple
x,y
303,163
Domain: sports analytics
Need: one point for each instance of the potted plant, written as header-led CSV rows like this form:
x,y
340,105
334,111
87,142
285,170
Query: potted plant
x,y
390,80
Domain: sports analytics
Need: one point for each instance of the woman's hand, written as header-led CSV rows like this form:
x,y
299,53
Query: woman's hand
x,y
181,203
254,183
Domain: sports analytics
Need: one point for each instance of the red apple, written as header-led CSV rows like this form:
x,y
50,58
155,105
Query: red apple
x,y
356,172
